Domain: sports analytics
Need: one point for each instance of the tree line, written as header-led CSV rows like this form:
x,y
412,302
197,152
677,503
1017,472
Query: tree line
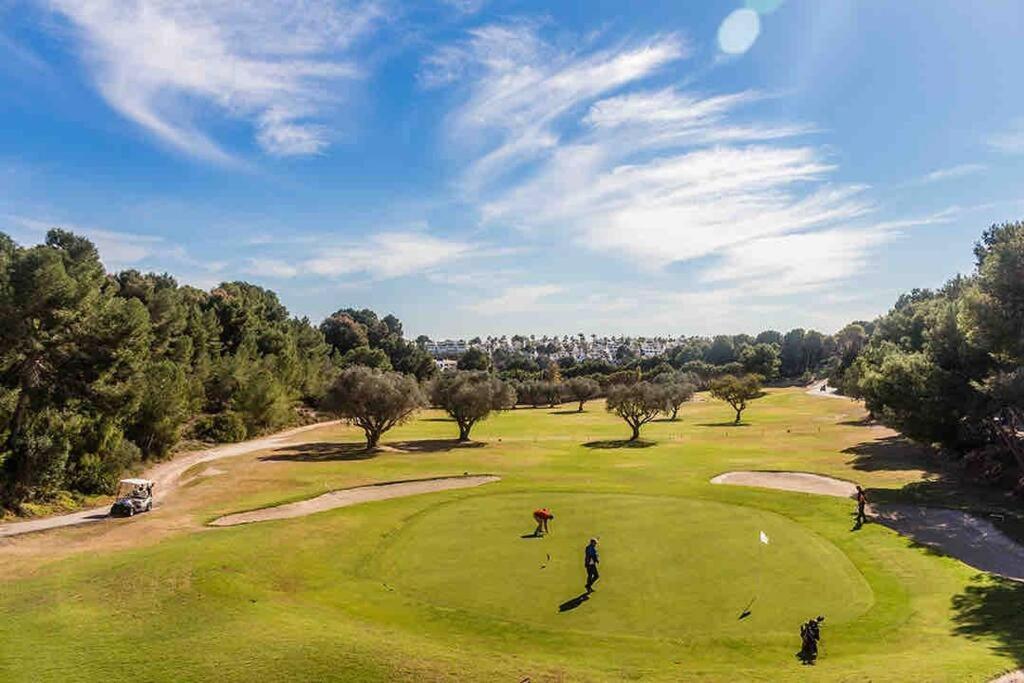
x,y
946,366
100,372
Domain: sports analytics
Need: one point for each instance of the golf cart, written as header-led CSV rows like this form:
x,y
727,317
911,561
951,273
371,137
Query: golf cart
x,y
133,495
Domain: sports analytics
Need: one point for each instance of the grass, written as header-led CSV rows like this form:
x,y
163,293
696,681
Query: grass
x,y
444,587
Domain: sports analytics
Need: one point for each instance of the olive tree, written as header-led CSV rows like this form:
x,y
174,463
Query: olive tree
x,y
373,400
679,388
582,389
736,391
637,404
470,396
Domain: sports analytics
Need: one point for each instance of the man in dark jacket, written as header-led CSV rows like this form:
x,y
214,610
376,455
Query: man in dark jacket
x,y
590,561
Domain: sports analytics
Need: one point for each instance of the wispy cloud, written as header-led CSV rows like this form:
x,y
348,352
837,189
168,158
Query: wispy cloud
x,y
1010,140
390,255
575,143
272,268
165,65
950,173
521,299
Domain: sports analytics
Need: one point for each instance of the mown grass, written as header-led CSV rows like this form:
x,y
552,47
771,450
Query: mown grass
x,y
443,587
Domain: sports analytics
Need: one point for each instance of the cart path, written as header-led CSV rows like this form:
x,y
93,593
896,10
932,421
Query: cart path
x,y
1011,677
354,496
167,476
967,537
830,392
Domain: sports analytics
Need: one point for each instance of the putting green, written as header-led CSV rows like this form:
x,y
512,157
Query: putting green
x,y
670,567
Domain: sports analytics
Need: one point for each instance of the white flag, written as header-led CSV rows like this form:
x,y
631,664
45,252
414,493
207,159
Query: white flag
x,y
764,538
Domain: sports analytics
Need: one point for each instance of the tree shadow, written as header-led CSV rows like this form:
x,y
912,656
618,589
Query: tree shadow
x,y
862,422
573,603
435,445
565,412
437,419
619,443
722,424
892,454
990,609
323,451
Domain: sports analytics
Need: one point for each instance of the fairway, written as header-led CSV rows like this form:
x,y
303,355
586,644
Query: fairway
x,y
671,568
444,586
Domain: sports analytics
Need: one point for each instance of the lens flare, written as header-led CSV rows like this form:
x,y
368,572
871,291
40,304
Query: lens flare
x,y
738,31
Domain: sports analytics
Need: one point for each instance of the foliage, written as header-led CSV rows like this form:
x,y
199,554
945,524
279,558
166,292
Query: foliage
x,y
582,389
226,427
637,404
474,359
470,396
736,391
761,359
679,388
373,400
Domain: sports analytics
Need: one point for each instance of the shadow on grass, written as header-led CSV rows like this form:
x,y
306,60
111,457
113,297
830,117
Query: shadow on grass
x,y
892,454
722,424
573,603
990,609
618,443
863,422
565,412
435,445
323,451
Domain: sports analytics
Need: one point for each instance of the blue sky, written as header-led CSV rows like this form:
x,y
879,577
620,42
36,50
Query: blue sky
x,y
486,167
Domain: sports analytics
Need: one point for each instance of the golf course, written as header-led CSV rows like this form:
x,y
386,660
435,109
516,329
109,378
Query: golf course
x,y
452,584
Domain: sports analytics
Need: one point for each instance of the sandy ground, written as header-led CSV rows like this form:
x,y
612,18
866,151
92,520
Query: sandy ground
x,y
1012,677
970,539
790,481
167,476
354,496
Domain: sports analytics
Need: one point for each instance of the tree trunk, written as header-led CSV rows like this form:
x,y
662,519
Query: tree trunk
x,y
636,432
464,431
675,412
581,407
372,439
739,412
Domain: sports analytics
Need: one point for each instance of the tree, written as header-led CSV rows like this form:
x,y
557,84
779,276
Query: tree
x,y
679,388
637,404
553,373
474,359
470,396
794,363
761,359
721,351
736,391
365,356
373,400
343,333
582,389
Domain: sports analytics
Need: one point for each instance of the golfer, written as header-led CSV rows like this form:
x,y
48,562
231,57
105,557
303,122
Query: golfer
x,y
542,516
590,561
862,501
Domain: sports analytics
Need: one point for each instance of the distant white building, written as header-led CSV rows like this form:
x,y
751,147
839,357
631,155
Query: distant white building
x,y
444,364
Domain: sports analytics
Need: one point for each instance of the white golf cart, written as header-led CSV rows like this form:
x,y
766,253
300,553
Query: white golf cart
x,y
133,495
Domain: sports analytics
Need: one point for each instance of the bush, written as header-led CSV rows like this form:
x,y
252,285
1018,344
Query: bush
x,y
226,427
94,473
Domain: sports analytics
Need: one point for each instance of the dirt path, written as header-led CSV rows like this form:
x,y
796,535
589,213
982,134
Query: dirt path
x,y
355,496
970,539
167,476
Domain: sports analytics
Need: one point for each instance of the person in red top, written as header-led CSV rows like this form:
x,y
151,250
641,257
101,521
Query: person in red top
x,y
542,517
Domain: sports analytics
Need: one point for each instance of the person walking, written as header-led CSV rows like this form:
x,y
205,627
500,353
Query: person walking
x,y
542,516
590,562
862,502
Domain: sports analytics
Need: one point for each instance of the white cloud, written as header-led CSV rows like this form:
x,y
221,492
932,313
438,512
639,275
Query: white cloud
x,y
518,86
573,143
390,255
268,267
1010,140
958,171
165,64
522,299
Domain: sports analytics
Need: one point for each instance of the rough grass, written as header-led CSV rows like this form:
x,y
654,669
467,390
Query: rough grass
x,y
443,587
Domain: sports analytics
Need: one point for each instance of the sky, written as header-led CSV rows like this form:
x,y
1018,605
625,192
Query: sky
x,y
479,167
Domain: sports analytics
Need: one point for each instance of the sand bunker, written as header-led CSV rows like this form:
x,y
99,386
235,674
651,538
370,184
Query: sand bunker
x,y
972,540
354,496
802,482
